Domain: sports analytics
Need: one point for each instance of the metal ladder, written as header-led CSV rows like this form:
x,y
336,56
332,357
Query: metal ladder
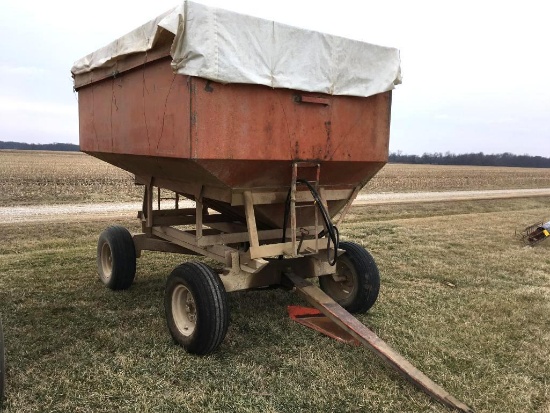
x,y
296,244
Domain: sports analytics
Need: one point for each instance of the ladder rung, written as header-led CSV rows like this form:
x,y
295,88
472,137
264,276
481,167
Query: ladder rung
x,y
306,164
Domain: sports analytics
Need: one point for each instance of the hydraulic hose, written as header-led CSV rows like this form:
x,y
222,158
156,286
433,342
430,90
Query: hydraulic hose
x,y
331,229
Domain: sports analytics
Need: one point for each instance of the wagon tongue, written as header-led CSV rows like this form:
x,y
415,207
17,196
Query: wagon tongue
x,y
345,321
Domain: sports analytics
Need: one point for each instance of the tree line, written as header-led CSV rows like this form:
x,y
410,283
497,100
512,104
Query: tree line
x,y
436,158
472,159
39,146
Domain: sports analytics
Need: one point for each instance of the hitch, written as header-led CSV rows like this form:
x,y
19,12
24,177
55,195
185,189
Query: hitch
x,y
369,339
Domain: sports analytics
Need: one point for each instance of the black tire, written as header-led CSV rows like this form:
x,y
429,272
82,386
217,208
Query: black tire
x,y
196,308
2,367
116,258
358,283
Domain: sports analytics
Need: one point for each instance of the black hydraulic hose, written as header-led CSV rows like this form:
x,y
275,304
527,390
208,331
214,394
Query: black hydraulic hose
x,y
331,229
333,234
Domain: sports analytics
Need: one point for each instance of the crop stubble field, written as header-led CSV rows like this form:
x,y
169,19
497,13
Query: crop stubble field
x,y
31,177
461,298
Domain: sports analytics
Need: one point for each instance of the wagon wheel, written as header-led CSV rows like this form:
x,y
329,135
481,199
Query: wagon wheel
x,y
196,308
356,283
116,258
2,367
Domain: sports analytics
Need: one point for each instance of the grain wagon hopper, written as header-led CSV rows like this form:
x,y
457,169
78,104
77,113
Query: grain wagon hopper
x,y
270,131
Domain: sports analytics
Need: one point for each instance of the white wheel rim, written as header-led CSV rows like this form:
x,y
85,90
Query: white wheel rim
x,y
184,310
345,283
106,262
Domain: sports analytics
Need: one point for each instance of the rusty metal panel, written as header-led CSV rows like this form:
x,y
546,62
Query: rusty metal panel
x,y
94,118
182,129
140,112
253,122
271,174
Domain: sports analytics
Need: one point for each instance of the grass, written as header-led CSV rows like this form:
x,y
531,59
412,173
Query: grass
x,y
461,298
31,178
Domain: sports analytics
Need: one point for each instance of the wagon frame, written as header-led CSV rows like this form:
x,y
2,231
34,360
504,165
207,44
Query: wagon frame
x,y
213,233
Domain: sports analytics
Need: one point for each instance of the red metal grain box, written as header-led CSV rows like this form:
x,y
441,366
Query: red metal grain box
x,y
144,113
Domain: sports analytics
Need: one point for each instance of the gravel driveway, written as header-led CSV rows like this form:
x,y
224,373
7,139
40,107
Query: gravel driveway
x,y
80,212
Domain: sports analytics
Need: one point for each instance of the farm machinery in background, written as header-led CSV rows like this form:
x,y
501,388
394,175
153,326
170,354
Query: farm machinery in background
x,y
536,233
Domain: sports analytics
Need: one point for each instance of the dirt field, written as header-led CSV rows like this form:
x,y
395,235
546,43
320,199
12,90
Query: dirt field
x,y
38,178
422,178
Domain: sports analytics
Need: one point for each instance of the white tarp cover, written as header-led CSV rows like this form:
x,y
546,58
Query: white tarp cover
x,y
229,47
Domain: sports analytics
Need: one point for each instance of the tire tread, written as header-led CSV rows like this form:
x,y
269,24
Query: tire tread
x,y
368,277
212,307
124,256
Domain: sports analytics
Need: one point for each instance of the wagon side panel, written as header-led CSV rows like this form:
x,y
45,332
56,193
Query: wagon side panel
x,y
140,112
248,122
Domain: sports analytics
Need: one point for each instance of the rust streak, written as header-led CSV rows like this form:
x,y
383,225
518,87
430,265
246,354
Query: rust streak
x,y
165,107
287,127
343,138
113,101
144,89
328,129
93,119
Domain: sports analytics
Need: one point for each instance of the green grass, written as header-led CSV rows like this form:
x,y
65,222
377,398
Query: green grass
x,y
461,298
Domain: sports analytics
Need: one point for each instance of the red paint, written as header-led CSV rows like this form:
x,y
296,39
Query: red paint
x,y
314,319
189,130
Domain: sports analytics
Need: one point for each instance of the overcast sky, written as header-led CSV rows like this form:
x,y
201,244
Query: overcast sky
x,y
475,73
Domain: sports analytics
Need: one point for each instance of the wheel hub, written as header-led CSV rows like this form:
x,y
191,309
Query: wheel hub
x,y
342,284
184,310
106,261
